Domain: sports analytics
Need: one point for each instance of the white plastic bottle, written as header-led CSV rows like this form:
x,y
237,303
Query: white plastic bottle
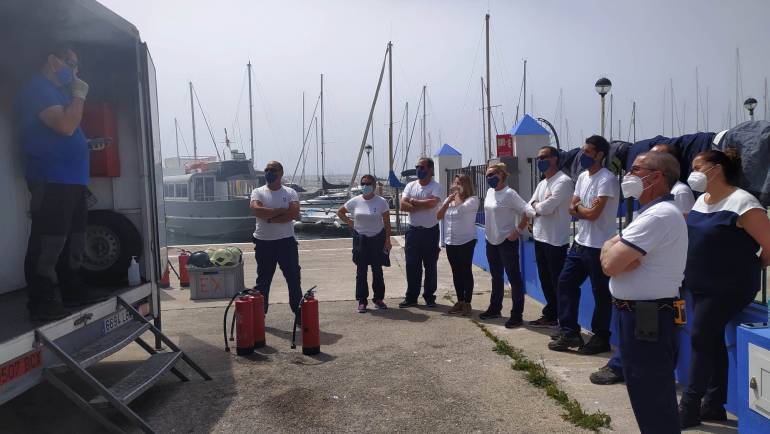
x,y
134,279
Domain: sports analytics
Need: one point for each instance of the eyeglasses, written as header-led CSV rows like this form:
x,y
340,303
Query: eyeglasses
x,y
366,183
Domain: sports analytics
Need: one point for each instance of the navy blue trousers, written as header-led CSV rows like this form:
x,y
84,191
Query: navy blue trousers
x,y
283,253
649,371
550,261
504,257
421,251
581,263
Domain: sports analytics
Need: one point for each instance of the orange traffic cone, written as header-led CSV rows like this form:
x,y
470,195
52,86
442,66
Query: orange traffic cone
x,y
164,280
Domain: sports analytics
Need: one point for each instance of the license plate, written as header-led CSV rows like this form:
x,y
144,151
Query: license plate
x,y
20,366
115,320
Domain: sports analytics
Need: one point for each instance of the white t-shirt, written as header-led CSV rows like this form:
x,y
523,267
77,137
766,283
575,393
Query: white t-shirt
x,y
602,183
660,234
280,198
502,213
683,197
367,214
553,197
425,218
460,222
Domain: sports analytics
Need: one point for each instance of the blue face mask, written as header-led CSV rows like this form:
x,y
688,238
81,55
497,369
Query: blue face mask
x,y
586,161
493,181
543,165
422,174
367,189
65,76
270,177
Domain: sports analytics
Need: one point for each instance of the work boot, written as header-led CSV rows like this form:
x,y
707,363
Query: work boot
x,y
457,308
47,310
565,342
543,322
606,375
689,414
467,309
512,323
595,345
487,314
713,412
407,303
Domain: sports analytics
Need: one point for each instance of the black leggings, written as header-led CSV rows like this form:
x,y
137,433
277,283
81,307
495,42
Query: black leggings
x,y
461,260
708,362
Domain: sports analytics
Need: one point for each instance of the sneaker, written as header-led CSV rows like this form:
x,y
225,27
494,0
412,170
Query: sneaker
x,y
380,304
431,303
467,309
361,308
543,322
595,345
565,342
457,308
407,303
49,310
512,323
489,315
713,413
83,297
605,376
689,415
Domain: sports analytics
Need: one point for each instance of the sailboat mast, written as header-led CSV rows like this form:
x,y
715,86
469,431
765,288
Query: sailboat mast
x,y
424,137
525,91
323,153
483,123
697,101
612,99
192,113
317,171
176,136
489,102
251,116
671,83
633,119
390,122
765,98
406,135
707,109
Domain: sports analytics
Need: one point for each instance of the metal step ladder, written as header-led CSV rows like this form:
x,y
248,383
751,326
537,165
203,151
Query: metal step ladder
x,y
120,394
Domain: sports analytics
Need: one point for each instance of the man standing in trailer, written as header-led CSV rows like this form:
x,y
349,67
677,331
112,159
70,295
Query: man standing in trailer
x,y
276,207
56,159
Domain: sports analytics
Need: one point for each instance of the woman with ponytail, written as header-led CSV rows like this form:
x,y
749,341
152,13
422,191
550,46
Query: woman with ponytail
x,y
726,228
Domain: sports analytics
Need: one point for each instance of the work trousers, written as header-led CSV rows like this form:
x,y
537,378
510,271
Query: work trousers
x,y
284,253
583,262
550,261
648,368
421,251
708,360
504,257
368,251
57,239
461,261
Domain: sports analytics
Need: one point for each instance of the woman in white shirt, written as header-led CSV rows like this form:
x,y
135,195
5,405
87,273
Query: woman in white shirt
x,y
459,215
505,216
370,223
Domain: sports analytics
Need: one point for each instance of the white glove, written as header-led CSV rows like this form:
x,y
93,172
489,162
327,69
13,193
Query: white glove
x,y
79,88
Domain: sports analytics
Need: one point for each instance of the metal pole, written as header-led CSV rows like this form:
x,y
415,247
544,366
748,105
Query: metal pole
x,y
390,122
323,153
176,135
489,101
192,113
671,81
483,124
633,119
251,115
765,98
697,101
317,172
424,138
612,106
602,117
525,91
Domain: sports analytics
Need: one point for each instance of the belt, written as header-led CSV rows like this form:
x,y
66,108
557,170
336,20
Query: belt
x,y
628,305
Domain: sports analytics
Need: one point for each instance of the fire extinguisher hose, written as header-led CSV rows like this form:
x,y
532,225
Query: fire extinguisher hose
x,y
232,323
297,315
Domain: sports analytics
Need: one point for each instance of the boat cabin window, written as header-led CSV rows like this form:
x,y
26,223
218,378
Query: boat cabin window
x,y
203,188
240,187
180,190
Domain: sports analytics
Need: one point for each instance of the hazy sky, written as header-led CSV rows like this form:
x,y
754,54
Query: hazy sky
x,y
568,44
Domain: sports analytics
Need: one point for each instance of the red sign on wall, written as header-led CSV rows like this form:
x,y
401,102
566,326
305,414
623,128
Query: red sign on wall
x,y
504,145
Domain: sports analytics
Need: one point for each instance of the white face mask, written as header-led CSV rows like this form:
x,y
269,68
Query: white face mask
x,y
632,186
698,180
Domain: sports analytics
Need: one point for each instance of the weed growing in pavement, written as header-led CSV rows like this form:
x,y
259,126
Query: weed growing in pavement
x,y
537,375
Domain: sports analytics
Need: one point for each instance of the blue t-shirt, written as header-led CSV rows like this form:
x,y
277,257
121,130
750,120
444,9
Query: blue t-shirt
x,y
722,257
50,156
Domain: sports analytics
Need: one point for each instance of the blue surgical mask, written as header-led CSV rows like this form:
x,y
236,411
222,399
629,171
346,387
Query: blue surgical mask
x,y
270,177
422,174
367,189
543,165
586,161
65,76
493,181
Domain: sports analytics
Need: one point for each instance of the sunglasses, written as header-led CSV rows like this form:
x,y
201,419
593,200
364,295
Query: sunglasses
x,y
366,183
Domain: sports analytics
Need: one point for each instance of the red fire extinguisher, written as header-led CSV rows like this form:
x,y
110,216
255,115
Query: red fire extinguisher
x,y
259,319
184,278
244,325
311,331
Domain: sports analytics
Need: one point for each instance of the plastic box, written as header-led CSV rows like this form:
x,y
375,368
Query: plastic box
x,y
216,282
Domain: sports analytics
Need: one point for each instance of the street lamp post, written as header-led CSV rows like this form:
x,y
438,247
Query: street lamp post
x,y
603,86
750,104
368,149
